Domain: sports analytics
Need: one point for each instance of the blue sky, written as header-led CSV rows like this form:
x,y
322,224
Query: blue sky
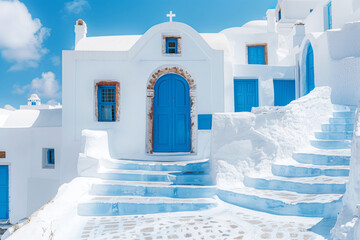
x,y
36,31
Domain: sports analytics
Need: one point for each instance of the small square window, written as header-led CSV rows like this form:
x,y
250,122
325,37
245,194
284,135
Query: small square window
x,y
171,45
33,103
48,155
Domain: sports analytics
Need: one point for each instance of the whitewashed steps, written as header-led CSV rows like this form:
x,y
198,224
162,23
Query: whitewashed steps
x,y
151,189
323,157
283,202
305,185
346,135
331,144
293,169
132,205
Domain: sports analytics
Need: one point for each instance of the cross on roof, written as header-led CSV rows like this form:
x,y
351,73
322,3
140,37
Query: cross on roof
x,y
170,15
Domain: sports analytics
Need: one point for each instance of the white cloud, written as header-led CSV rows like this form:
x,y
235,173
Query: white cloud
x,y
46,86
76,6
21,36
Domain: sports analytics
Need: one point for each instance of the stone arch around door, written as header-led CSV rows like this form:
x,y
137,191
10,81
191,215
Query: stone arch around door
x,y
150,100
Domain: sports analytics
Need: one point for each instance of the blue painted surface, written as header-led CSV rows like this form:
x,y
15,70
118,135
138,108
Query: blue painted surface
x,y
4,192
348,135
329,12
33,103
321,159
50,156
204,121
278,207
279,15
337,127
107,103
310,75
331,144
171,122
284,92
171,45
294,171
245,94
256,55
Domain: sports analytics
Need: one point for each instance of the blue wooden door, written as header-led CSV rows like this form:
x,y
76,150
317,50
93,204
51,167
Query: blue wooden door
x,y
4,192
171,115
310,82
284,92
246,94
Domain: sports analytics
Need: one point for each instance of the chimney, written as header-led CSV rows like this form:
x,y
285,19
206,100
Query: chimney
x,y
271,20
80,31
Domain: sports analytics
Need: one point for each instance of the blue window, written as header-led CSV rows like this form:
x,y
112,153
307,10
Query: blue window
x,y
171,45
107,103
256,55
279,14
284,92
33,103
50,156
329,16
311,10
245,94
4,192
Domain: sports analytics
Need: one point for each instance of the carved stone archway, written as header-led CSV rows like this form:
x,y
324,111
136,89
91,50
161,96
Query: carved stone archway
x,y
150,99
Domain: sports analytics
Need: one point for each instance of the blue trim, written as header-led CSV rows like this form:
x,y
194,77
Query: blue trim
x,y
246,94
310,74
329,13
279,14
107,103
284,92
171,45
204,121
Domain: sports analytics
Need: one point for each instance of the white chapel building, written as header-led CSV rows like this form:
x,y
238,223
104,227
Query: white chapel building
x,y
155,93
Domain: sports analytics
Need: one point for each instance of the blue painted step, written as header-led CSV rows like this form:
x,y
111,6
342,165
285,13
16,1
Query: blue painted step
x,y
307,185
147,189
334,135
344,114
283,202
331,144
304,170
322,159
146,165
344,108
342,120
337,127
116,206
152,176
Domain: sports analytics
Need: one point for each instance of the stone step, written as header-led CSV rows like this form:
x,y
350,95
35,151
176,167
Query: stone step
x,y
338,127
155,176
151,189
124,205
342,120
284,202
331,144
306,185
294,169
323,157
334,135
345,114
344,108
202,165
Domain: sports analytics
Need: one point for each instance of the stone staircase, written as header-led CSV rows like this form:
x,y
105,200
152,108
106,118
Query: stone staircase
x,y
130,187
310,184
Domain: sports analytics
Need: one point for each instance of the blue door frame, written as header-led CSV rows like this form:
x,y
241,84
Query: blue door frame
x,y
284,92
171,114
310,81
246,94
4,192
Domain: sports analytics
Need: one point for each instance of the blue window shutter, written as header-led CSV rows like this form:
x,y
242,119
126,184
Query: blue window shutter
x,y
256,55
107,103
245,94
171,45
204,121
284,92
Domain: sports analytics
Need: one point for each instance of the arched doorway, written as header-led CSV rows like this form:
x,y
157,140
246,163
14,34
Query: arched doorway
x,y
310,82
171,114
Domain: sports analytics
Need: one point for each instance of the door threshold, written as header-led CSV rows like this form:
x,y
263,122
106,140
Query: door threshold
x,y
171,153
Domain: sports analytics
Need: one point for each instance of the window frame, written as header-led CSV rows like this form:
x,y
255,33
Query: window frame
x,y
178,44
48,158
101,103
265,53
